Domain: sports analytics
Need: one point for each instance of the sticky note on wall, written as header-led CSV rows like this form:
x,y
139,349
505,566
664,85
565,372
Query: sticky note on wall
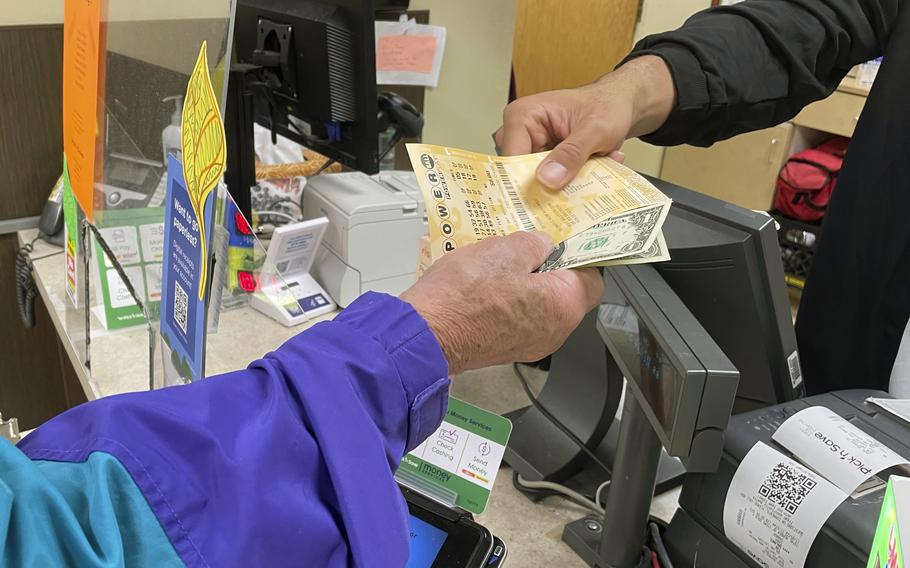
x,y
406,53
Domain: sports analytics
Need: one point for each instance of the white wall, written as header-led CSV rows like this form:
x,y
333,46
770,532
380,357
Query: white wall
x,y
30,12
657,16
466,107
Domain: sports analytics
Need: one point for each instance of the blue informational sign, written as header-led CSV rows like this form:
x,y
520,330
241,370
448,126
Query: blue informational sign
x,y
182,312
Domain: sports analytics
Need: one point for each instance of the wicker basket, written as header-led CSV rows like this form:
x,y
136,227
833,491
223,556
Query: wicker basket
x,y
313,161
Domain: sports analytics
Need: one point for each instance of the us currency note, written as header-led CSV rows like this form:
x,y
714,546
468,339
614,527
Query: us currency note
x,y
471,196
630,236
657,252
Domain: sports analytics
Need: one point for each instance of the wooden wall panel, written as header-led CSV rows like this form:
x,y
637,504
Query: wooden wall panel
x,y
32,373
31,139
569,43
31,378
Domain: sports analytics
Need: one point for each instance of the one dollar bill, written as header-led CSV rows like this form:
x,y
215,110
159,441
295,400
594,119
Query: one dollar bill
x,y
472,196
628,238
657,252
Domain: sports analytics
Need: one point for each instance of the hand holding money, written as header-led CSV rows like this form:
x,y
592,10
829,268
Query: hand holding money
x,y
486,306
607,215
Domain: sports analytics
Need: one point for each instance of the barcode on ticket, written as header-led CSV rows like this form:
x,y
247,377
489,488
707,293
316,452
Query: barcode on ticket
x,y
787,487
523,218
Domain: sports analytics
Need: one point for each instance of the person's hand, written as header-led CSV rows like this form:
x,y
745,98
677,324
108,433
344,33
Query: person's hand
x,y
595,119
486,306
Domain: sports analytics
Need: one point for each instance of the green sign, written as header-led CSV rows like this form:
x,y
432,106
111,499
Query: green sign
x,y
70,237
461,458
136,237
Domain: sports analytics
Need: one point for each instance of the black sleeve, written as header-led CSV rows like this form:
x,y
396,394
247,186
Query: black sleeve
x,y
756,64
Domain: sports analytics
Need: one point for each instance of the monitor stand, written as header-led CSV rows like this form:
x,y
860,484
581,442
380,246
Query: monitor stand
x,y
582,391
616,540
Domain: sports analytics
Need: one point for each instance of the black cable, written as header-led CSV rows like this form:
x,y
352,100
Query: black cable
x,y
553,420
278,201
120,272
118,268
26,290
323,167
657,543
661,524
396,138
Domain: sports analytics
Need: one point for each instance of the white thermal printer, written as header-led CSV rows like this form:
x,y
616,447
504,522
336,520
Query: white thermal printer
x,y
372,241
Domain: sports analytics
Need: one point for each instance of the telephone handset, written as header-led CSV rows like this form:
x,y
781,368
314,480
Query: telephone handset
x,y
50,225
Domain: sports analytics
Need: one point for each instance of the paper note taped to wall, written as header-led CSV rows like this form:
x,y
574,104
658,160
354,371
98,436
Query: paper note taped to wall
x,y
835,448
775,507
408,53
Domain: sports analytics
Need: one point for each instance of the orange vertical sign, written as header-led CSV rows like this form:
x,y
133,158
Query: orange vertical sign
x,y
81,47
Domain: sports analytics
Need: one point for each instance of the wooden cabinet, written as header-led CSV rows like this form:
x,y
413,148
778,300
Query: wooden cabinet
x,y
741,170
837,114
559,45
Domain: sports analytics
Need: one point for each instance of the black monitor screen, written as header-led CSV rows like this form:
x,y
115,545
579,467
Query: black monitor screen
x,y
316,72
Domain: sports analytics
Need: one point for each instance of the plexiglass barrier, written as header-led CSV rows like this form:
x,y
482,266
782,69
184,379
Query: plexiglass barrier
x,y
148,53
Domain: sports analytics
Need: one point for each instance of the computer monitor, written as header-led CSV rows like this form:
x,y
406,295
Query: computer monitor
x,y
314,66
726,269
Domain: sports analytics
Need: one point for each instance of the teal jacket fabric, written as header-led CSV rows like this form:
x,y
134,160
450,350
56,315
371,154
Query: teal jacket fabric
x,y
76,514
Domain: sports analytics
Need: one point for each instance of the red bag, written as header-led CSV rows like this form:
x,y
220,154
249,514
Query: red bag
x,y
805,183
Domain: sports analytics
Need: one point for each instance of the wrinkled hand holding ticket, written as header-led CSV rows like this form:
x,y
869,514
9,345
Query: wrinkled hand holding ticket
x,y
607,215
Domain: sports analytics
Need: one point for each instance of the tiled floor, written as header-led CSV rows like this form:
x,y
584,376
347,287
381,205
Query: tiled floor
x,y
533,532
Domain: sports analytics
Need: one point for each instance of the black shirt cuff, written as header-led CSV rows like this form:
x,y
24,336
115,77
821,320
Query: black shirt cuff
x,y
692,98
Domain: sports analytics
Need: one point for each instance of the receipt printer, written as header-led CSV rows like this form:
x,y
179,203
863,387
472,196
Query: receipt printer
x,y
375,224
696,534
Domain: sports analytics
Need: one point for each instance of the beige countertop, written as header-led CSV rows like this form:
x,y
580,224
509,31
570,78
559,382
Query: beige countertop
x,y
119,359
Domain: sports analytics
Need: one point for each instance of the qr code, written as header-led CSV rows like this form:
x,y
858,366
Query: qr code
x,y
787,487
181,302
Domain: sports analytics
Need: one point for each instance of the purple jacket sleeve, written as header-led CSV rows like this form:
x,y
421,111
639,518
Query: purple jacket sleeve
x,y
289,462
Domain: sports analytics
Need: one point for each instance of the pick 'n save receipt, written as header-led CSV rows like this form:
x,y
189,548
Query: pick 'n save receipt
x,y
835,448
775,507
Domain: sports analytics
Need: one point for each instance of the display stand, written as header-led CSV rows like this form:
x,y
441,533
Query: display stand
x,y
583,391
616,541
680,391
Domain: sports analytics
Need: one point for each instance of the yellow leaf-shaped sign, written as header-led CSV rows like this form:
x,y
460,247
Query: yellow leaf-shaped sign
x,y
203,146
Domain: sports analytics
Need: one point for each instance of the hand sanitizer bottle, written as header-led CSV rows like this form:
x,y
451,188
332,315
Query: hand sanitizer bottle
x,y
170,136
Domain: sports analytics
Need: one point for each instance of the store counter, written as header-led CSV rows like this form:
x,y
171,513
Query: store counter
x,y
119,359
